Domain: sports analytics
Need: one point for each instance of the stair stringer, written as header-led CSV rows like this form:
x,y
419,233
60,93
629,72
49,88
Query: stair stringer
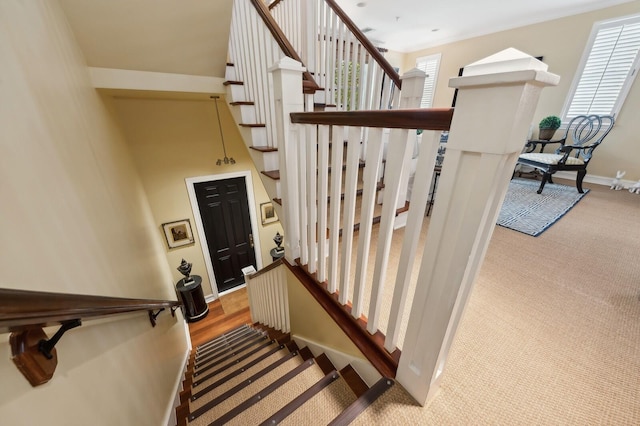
x,y
257,137
365,370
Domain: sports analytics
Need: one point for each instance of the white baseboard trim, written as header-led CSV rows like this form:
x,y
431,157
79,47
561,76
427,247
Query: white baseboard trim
x,y
170,416
595,179
340,359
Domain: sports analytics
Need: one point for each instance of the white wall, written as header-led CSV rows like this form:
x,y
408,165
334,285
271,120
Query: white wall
x,y
76,220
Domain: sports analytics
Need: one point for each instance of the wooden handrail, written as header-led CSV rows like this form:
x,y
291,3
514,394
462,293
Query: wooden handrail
x,y
266,269
274,4
24,313
371,346
421,118
309,84
20,309
366,43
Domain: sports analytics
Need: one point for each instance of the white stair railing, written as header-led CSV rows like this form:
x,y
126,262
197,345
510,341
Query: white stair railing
x,y
256,44
252,49
352,72
269,298
498,100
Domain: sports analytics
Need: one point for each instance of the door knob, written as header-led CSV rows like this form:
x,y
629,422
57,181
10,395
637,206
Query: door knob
x,y
251,240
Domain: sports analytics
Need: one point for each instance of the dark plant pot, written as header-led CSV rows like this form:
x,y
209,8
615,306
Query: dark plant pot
x,y
546,134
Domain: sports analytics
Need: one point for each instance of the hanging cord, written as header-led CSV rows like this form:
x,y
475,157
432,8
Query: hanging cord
x,y
227,160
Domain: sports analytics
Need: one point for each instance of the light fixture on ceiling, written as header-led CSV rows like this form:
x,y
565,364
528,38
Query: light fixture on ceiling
x,y
225,160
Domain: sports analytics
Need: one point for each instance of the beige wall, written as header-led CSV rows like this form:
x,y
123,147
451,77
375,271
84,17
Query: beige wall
x,y
172,140
76,220
562,43
396,59
310,321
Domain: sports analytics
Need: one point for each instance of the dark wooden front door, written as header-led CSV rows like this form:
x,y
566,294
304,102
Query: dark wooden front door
x,y
224,210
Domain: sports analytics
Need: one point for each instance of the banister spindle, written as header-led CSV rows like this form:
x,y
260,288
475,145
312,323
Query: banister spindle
x,y
373,159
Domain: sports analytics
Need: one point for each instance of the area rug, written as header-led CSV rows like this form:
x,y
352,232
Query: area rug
x,y
531,213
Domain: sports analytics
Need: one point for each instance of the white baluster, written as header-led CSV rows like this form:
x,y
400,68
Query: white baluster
x,y
323,183
303,174
337,146
282,277
396,153
348,214
424,173
374,156
312,192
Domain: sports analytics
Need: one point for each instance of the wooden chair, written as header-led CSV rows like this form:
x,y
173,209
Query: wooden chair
x,y
582,137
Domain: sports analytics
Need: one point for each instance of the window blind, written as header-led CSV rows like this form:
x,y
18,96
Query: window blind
x,y
609,69
430,65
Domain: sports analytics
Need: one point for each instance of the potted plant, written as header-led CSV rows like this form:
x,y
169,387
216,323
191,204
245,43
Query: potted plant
x,y
548,127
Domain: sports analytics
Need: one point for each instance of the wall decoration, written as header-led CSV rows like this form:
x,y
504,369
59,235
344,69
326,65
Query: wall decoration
x,y
178,233
268,213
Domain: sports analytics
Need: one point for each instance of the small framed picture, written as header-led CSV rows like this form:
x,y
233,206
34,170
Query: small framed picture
x,y
178,233
268,213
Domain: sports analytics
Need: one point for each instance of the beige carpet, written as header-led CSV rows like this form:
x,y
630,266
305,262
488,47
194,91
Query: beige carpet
x,y
551,335
552,330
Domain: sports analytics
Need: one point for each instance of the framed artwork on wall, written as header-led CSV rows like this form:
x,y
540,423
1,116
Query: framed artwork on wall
x,y
178,233
268,213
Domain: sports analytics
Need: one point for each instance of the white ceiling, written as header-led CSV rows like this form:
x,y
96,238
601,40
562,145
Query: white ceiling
x,y
409,25
191,36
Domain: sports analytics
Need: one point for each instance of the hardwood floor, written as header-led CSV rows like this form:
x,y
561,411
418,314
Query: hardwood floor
x,y
226,313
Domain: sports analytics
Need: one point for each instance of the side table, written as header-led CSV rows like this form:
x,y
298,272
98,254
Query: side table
x,y
275,254
195,307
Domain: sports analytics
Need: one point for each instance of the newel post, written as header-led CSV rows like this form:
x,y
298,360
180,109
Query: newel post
x,y
497,97
287,89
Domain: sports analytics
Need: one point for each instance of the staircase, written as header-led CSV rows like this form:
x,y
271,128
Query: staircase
x,y
274,93
249,83
256,375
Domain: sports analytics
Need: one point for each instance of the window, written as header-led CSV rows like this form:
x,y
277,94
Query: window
x,y
607,69
430,65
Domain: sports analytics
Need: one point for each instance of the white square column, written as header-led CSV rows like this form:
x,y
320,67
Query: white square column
x,y
497,98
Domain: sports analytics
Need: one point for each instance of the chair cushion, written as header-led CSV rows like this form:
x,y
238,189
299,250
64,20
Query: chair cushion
x,y
551,159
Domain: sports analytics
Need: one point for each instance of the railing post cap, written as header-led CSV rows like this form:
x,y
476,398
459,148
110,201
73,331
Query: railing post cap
x,y
413,73
507,66
287,63
506,60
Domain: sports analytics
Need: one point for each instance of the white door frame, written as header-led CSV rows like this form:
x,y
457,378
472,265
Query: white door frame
x,y
204,246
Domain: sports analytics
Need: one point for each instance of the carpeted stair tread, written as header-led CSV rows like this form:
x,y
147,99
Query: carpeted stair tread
x,y
242,329
246,393
232,382
371,402
200,389
324,406
395,406
278,399
219,358
204,351
215,374
223,337
231,345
